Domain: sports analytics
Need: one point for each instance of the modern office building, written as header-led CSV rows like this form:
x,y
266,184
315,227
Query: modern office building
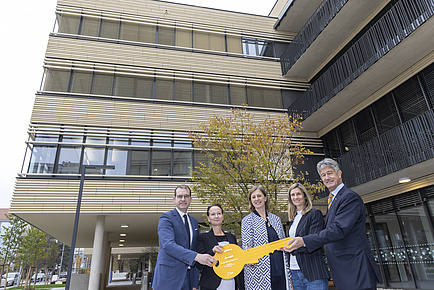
x,y
125,81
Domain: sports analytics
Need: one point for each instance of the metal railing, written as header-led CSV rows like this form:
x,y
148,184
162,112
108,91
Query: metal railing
x,y
322,16
396,24
398,148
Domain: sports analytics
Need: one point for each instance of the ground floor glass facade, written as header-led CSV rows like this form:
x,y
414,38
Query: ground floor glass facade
x,y
403,244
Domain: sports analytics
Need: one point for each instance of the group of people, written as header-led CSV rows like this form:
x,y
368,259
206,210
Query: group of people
x,y
184,254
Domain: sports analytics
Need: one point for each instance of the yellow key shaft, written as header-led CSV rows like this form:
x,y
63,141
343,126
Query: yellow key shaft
x,y
253,255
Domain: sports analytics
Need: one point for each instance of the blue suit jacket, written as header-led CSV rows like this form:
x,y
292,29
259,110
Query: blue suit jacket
x,y
174,256
312,265
351,262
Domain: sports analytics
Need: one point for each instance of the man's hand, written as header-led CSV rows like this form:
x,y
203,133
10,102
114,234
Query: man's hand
x,y
205,259
294,244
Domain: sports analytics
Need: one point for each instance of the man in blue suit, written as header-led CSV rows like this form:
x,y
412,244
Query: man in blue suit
x,y
177,237
351,262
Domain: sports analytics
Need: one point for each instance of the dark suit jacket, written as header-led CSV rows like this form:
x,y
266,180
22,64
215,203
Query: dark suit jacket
x,y
351,262
312,265
174,255
208,279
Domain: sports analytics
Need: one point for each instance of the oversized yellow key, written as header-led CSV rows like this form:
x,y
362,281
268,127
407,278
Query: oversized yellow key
x,y
231,261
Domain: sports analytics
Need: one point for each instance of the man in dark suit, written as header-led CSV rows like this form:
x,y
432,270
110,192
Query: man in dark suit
x,y
177,238
351,262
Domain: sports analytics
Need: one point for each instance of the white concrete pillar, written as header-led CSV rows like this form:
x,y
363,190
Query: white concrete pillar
x,y
98,254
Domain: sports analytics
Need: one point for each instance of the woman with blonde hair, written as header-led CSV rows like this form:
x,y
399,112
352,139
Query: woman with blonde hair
x,y
308,270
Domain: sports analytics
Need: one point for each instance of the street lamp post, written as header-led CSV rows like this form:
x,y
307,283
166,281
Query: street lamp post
x,y
77,216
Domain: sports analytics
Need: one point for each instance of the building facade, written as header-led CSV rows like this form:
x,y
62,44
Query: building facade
x,y
124,83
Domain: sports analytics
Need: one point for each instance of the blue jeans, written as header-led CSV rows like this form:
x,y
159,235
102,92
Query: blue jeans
x,y
299,282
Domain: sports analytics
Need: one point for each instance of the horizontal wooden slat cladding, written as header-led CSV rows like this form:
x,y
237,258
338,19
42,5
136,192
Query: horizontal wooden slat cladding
x,y
100,52
110,113
99,197
179,12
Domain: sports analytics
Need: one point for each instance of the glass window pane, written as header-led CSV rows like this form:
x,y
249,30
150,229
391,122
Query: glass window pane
x,y
183,90
147,33
81,82
57,80
46,138
102,84
419,240
183,38
118,158
201,159
129,31
348,134
69,160
182,163
272,98
238,95
68,23
124,86
109,29
234,44
139,162
202,92
166,35
42,160
216,42
90,26
266,48
144,88
72,139
164,89
219,94
255,97
161,163
93,156
140,142
96,140
201,40
386,113
118,141
392,252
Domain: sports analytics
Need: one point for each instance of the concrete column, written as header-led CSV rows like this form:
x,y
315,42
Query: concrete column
x,y
98,254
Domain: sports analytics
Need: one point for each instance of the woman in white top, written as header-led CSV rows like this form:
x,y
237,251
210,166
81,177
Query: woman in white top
x,y
308,270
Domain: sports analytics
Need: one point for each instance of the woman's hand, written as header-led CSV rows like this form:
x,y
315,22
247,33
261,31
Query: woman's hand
x,y
217,249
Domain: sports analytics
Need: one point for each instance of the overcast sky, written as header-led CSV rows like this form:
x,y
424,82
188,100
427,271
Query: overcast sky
x,y
25,26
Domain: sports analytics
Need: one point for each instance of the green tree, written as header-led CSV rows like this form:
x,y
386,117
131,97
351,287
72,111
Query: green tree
x,y
241,151
32,249
11,237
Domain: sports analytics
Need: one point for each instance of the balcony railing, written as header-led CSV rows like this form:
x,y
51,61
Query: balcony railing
x,y
322,16
398,148
392,28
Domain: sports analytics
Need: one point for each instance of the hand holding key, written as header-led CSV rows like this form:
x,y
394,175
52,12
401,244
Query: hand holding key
x,y
232,260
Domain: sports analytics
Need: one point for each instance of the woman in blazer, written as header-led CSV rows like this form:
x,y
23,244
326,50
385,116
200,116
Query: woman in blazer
x,y
308,270
259,228
212,242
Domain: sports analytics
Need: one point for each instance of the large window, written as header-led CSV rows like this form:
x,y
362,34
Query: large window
x,y
404,237
123,85
42,160
163,154
166,34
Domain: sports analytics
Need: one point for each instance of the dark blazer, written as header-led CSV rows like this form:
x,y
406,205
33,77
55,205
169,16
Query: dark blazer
x,y
174,255
312,265
208,279
351,262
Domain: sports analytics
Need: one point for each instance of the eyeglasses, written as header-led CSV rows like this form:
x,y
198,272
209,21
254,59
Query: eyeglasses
x,y
183,196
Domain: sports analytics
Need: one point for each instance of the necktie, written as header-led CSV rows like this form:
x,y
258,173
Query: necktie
x,y
329,201
187,228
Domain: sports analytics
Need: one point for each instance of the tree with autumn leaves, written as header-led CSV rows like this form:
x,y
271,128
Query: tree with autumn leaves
x,y
242,150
